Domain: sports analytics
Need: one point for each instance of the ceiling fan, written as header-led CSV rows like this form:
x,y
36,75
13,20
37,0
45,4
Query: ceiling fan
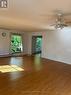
x,y
60,19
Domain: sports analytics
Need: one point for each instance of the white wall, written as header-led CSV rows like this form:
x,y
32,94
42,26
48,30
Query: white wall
x,y
56,45
4,42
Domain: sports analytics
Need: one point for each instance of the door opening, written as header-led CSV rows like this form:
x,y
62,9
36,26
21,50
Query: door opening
x,y
36,44
16,43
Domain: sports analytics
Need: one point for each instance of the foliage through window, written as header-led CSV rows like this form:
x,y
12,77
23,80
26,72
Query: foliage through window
x,y
16,43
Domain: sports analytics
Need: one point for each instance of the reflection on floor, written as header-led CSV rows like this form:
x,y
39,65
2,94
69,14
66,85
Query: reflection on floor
x,y
40,77
10,68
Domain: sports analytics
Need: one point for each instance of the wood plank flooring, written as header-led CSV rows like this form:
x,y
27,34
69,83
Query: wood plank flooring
x,y
40,77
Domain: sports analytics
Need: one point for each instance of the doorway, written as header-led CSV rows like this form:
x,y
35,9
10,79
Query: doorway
x,y
36,44
16,43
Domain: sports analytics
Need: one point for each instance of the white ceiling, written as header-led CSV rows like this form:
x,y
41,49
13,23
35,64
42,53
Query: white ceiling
x,y
31,14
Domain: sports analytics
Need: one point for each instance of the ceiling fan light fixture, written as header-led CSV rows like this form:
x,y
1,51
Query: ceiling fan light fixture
x,y
59,26
60,22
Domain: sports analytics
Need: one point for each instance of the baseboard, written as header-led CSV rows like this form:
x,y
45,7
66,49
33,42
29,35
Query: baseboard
x,y
12,55
6,55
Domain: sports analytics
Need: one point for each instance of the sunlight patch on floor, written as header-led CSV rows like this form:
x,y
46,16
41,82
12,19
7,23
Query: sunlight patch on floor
x,y
10,68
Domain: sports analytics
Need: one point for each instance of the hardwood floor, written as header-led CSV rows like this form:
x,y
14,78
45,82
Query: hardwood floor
x,y
40,77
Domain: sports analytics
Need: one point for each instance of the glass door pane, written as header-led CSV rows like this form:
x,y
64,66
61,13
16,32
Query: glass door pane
x,y
16,44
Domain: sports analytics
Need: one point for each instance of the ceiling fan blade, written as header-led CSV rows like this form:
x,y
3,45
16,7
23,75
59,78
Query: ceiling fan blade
x,y
57,18
68,22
